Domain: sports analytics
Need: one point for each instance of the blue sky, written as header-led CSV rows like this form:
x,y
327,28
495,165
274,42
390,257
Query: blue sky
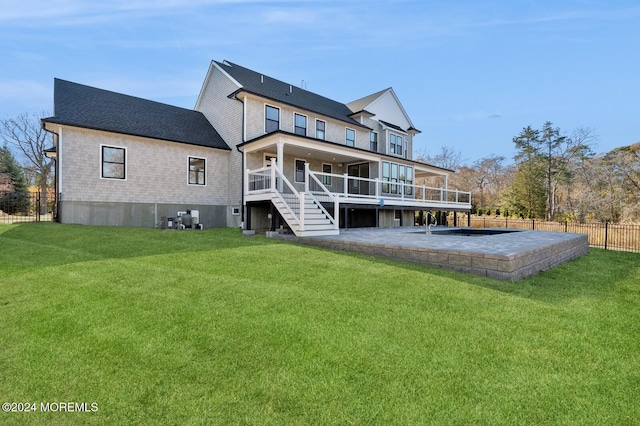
x,y
470,74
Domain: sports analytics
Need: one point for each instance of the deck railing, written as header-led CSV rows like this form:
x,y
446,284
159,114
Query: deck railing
x,y
345,186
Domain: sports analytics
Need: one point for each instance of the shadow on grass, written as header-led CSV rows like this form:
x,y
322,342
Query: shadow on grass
x,y
30,245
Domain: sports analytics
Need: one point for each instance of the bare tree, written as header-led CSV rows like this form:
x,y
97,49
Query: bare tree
x,y
27,136
448,158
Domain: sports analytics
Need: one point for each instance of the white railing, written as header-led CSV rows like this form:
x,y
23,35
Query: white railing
x,y
313,186
345,186
272,180
335,188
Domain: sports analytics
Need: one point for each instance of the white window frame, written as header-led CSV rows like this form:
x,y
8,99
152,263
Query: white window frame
x,y
189,158
346,129
324,131
306,123
265,117
295,170
395,149
377,140
326,180
101,163
267,163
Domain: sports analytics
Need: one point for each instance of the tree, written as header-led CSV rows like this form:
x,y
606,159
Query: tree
x,y
525,194
25,134
15,198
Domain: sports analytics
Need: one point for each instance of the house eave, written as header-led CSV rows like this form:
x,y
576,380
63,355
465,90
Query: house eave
x,y
53,120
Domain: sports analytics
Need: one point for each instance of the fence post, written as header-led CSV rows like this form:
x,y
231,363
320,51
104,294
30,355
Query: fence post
x,y
469,219
38,206
506,222
565,226
533,224
606,234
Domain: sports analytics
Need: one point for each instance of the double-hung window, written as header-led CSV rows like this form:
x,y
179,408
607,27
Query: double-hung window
x,y
373,141
299,170
113,161
197,171
326,180
320,129
395,144
350,137
272,119
300,124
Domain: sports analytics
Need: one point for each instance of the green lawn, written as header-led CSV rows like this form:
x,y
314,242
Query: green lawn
x,y
166,327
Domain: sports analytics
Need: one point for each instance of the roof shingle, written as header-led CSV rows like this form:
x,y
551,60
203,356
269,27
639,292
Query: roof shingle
x,y
92,108
268,87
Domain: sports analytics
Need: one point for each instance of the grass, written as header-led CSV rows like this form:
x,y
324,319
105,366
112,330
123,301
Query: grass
x,y
165,327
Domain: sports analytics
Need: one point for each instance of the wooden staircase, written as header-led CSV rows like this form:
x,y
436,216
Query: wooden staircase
x,y
316,221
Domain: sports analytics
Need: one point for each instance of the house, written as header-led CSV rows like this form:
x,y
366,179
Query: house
x,y
255,152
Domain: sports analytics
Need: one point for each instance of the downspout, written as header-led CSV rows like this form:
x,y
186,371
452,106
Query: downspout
x,y
55,162
242,162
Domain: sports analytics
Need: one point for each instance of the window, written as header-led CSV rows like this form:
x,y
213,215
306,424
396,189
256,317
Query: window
x,y
386,176
394,178
373,141
197,171
326,180
395,144
396,173
409,181
320,126
300,170
113,163
351,137
300,124
272,119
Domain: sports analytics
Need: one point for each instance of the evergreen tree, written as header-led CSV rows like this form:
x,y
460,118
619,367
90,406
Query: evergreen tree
x,y
17,198
526,193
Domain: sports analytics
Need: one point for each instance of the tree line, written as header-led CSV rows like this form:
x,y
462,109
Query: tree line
x,y
553,176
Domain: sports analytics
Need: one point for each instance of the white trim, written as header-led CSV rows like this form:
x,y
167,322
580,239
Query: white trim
x,y
267,163
295,169
59,162
126,162
327,177
377,140
189,157
315,135
397,135
355,137
264,113
306,123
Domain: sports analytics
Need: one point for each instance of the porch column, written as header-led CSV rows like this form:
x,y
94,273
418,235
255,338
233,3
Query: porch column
x,y
280,155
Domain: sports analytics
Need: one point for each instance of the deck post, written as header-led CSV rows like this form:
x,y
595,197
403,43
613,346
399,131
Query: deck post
x,y
346,184
306,177
301,214
336,213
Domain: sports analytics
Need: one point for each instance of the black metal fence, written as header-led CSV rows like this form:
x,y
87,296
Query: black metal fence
x,y
23,207
609,236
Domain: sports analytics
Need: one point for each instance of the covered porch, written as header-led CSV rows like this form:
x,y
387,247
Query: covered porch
x,y
319,186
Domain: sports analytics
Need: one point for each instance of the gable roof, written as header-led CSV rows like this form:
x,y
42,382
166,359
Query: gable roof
x,y
366,103
92,108
271,88
362,103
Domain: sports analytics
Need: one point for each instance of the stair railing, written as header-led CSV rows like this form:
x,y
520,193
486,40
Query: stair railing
x,y
310,176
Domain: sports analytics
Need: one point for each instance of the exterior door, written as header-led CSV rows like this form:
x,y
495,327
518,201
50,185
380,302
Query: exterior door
x,y
361,171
